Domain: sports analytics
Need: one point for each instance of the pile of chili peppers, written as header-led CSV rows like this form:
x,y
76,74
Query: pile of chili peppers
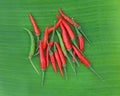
x,y
69,48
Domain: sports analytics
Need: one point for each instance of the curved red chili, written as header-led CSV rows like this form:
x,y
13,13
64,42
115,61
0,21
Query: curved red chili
x,y
48,31
51,42
55,27
80,38
81,57
47,52
65,38
62,56
36,28
58,61
68,19
52,58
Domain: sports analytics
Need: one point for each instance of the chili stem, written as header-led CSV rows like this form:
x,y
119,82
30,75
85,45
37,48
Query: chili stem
x,y
78,33
36,53
32,49
43,78
95,73
34,66
37,45
37,41
80,30
73,40
72,66
49,48
70,51
64,68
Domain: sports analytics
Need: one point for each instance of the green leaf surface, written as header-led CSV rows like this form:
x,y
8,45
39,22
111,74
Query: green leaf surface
x,y
100,20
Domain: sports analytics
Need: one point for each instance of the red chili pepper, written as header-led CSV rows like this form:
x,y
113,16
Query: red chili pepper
x,y
58,60
36,28
65,38
64,52
81,57
42,56
62,57
47,52
51,42
68,19
69,30
80,38
58,17
42,60
52,59
67,42
45,38
54,27
75,56
85,61
48,31
81,43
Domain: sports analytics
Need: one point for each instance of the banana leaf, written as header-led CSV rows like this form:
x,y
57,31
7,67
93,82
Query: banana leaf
x,y
99,19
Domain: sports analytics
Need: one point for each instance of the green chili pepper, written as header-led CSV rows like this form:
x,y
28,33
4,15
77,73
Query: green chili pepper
x,y
64,50
61,43
32,49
